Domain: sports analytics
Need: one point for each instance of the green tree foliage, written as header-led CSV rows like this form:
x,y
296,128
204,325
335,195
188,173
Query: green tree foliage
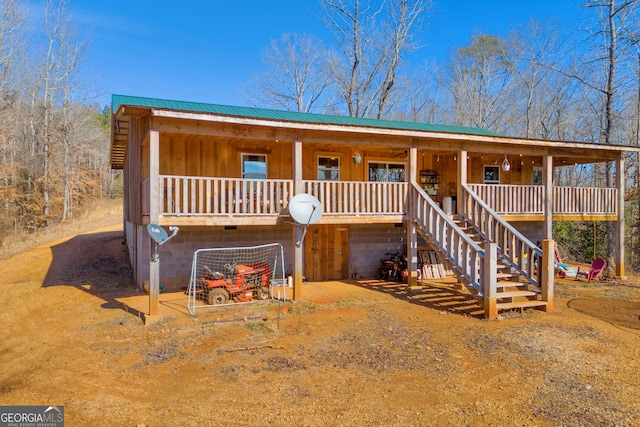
x,y
581,241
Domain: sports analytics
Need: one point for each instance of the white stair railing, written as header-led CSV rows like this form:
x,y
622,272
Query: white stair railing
x,y
522,255
463,253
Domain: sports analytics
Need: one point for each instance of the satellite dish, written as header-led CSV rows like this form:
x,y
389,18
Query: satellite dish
x,y
157,233
305,209
160,237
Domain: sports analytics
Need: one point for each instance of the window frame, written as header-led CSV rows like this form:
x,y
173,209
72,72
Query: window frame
x,y
318,168
386,162
494,168
242,164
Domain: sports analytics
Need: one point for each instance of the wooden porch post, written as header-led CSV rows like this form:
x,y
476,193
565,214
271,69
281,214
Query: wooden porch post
x,y
462,180
489,280
547,167
298,252
412,238
154,217
548,272
619,251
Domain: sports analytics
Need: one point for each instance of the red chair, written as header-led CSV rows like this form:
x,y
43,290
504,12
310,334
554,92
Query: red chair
x,y
597,266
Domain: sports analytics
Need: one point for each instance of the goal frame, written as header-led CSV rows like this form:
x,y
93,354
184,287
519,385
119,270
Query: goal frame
x,y
236,256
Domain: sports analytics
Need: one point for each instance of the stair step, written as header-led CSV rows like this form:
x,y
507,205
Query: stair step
x,y
515,294
500,286
520,304
502,276
510,283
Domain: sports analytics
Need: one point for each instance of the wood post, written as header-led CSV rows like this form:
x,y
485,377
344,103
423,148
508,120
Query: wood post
x,y
548,272
298,251
412,238
462,180
547,170
489,280
154,217
619,250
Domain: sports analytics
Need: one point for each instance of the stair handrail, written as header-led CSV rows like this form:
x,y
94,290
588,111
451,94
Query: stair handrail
x,y
514,247
465,255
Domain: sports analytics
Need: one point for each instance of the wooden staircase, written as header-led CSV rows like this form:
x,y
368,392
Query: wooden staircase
x,y
499,266
513,292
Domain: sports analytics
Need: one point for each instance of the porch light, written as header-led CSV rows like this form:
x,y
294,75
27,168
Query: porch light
x,y
506,166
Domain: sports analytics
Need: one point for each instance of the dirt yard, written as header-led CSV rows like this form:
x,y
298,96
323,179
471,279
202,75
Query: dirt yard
x,y
348,354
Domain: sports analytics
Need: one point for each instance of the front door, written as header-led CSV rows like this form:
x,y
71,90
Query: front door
x,y
326,252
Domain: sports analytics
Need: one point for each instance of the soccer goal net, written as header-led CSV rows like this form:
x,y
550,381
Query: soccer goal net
x,y
236,275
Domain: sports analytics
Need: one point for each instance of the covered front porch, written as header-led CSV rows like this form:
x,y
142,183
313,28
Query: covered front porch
x,y
211,169
196,200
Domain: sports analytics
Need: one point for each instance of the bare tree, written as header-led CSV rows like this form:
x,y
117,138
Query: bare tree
x,y
12,20
295,77
480,76
53,149
405,17
63,51
372,37
424,96
543,99
614,21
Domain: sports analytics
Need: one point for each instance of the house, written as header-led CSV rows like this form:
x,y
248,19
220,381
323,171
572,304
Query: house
x,y
225,176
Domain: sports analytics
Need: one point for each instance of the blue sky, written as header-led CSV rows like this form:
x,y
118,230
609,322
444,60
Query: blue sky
x,y
207,50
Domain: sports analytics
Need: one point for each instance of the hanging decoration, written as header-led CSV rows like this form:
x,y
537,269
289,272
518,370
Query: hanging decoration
x,y
357,158
506,166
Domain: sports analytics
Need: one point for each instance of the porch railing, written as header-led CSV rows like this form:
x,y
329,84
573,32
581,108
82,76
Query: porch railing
x,y
512,199
581,200
191,195
464,254
359,197
520,252
529,199
188,195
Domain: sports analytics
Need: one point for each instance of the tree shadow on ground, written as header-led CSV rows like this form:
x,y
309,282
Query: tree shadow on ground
x,y
435,294
98,264
625,314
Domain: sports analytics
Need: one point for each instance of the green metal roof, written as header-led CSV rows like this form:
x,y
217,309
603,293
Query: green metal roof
x,y
289,116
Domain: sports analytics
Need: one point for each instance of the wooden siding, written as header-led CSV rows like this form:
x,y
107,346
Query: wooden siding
x,y
136,174
195,155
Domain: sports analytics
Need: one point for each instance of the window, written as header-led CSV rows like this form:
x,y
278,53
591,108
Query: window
x,y
492,174
328,168
387,172
254,166
537,176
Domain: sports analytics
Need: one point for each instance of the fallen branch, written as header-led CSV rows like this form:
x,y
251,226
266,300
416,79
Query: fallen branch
x,y
254,348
